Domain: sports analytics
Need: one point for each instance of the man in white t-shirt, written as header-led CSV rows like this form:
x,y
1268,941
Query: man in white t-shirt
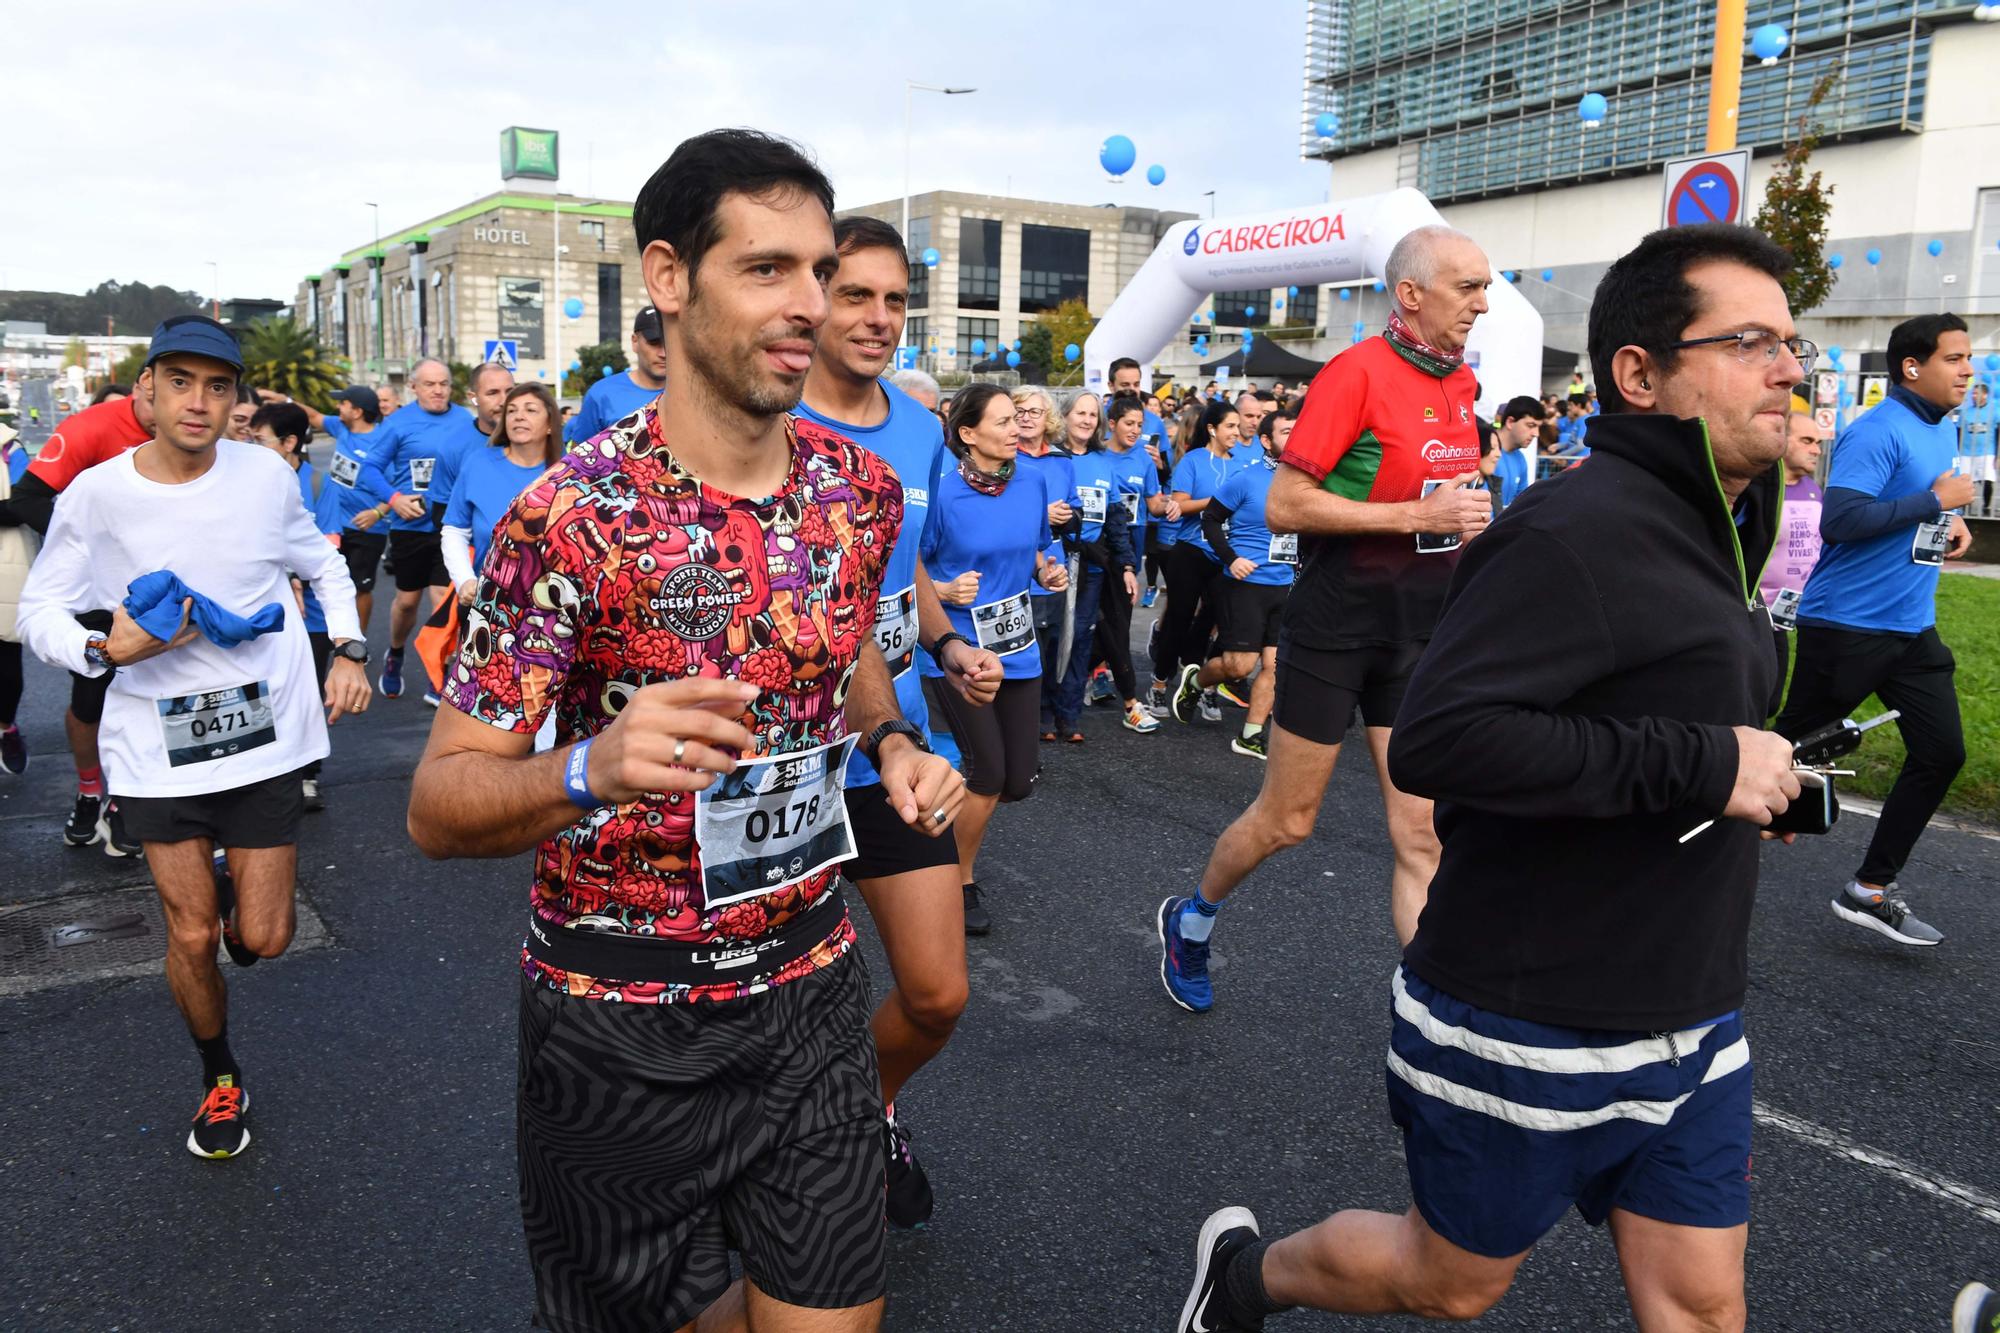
x,y
207,727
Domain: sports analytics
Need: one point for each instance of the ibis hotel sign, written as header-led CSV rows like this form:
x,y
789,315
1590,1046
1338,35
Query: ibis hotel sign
x,y
528,154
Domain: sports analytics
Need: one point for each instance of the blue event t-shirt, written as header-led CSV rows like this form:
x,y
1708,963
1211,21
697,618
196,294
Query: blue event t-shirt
x,y
1058,472
444,479
1244,493
1138,481
998,535
1889,452
1512,470
488,484
353,482
407,447
1198,476
616,396
1096,475
17,462
311,612
911,441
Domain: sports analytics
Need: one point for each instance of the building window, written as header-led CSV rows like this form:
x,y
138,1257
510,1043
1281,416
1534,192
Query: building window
x,y
1303,308
1230,307
918,241
1055,266
917,333
592,230
610,301
979,263
968,329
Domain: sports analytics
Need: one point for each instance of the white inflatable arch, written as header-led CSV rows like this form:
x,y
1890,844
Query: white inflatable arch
x,y
1331,242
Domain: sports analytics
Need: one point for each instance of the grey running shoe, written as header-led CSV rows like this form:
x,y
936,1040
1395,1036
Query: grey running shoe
x,y
1156,701
1885,913
1211,707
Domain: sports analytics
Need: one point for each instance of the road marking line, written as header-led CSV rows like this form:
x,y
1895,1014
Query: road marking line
x,y
1976,1202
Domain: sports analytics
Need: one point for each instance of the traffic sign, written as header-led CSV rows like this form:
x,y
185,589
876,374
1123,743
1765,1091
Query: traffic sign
x,y
1826,419
503,352
1709,188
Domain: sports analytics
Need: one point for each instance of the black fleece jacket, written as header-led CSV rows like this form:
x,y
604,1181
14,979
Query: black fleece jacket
x,y
1572,718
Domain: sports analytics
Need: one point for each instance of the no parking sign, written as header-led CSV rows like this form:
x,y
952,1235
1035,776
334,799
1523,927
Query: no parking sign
x,y
1711,188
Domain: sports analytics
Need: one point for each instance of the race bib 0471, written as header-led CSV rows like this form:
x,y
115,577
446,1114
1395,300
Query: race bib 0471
x,y
214,724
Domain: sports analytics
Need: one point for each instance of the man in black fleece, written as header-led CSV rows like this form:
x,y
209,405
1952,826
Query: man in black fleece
x,y
1564,1025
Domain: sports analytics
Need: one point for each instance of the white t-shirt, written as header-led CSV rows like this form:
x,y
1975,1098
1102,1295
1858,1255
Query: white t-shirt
x,y
200,718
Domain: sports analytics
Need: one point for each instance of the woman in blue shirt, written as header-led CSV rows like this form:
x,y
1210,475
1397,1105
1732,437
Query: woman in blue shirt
x,y
526,444
1192,567
985,546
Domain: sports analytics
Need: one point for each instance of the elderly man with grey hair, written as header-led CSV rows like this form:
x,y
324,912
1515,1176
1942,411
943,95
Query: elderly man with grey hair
x,y
1371,499
918,385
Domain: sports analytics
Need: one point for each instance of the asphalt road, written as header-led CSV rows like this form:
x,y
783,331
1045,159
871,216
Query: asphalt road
x,y
1077,1131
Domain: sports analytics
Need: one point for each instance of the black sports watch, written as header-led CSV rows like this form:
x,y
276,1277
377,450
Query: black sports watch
x,y
936,650
872,743
354,650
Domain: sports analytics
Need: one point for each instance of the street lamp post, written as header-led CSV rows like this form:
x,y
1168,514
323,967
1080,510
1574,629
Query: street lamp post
x,y
215,291
910,88
375,281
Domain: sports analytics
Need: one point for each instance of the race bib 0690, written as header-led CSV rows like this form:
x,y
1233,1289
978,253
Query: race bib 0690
x,y
896,628
1006,626
214,724
772,822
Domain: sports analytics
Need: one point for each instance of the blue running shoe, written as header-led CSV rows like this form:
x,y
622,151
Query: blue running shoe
x,y
392,675
1183,963
1151,595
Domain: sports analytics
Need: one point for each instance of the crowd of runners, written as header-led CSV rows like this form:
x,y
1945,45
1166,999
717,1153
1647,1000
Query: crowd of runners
x,y
695,644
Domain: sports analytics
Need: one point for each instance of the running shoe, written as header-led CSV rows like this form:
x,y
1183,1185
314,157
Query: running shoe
x,y
1101,688
392,675
1183,962
1186,691
85,821
313,801
1156,701
1226,1231
13,751
1211,707
1138,719
1885,913
1977,1310
222,1124
111,825
431,697
909,1193
1235,692
977,920
225,907
1147,598
1255,747
1153,642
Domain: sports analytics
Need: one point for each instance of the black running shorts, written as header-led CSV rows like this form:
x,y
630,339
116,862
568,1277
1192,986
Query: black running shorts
x,y
363,552
655,1138
1247,615
261,814
419,561
1319,688
885,845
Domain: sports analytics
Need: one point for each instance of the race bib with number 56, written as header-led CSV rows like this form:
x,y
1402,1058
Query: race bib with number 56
x,y
896,628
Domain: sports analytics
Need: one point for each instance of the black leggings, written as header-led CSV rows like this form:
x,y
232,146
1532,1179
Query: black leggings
x,y
1001,750
10,681
1155,554
1188,620
1114,633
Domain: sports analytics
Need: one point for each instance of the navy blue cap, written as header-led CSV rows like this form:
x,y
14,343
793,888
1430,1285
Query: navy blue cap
x,y
363,398
647,325
195,335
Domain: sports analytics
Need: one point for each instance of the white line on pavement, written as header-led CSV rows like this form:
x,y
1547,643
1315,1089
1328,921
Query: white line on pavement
x,y
1977,1202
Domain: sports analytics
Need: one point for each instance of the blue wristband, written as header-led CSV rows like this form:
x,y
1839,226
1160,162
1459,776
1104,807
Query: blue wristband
x,y
576,776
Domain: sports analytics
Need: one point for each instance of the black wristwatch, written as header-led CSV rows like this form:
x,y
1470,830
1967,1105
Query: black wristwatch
x,y
871,744
354,650
936,650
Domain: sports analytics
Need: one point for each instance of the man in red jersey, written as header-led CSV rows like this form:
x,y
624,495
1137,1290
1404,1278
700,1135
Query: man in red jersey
x,y
92,436
1375,481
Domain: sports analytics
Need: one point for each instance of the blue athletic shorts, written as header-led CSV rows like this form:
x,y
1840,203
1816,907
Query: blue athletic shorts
x,y
1508,1123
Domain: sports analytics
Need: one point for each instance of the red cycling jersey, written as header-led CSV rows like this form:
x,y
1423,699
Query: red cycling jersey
x,y
88,438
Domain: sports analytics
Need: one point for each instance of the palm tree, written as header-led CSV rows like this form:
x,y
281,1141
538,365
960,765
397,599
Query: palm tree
x,y
279,354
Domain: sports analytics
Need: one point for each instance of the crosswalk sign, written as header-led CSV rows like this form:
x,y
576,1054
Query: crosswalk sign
x,y
503,352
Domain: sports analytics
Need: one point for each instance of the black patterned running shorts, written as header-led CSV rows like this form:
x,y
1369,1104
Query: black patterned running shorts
x,y
654,1139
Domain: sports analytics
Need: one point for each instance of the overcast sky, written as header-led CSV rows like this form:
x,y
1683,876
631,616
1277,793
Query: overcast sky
x,y
145,141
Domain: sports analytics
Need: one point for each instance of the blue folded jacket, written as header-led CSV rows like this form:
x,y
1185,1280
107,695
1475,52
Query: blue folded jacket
x,y
154,600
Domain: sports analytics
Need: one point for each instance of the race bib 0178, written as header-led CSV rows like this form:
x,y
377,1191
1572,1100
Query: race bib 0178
x,y
772,822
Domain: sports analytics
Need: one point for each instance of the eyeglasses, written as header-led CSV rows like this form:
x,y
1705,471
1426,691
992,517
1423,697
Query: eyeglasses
x,y
1021,414
1759,347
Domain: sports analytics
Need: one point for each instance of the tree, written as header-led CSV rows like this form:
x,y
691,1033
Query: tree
x,y
76,354
1795,209
1070,322
593,360
129,365
280,354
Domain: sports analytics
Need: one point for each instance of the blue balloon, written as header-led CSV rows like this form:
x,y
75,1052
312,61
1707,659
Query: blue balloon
x,y
1874,256
1379,287
1357,337
1346,295
1513,275
1768,42
1117,155
931,257
1072,352
541,374
1834,261
604,372
1156,174
1326,125
1249,311
1291,291
573,308
979,347
1013,359
1359,325
1936,248
1548,275
1993,360
1015,345
1833,354
1592,108
576,365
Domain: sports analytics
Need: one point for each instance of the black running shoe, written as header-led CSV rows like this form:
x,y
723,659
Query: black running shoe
x,y
909,1196
225,907
82,829
1226,1231
977,920
222,1124
13,751
112,824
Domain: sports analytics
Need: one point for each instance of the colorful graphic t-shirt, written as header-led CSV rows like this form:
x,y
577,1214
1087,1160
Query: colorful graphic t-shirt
x,y
1376,428
1797,550
619,569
